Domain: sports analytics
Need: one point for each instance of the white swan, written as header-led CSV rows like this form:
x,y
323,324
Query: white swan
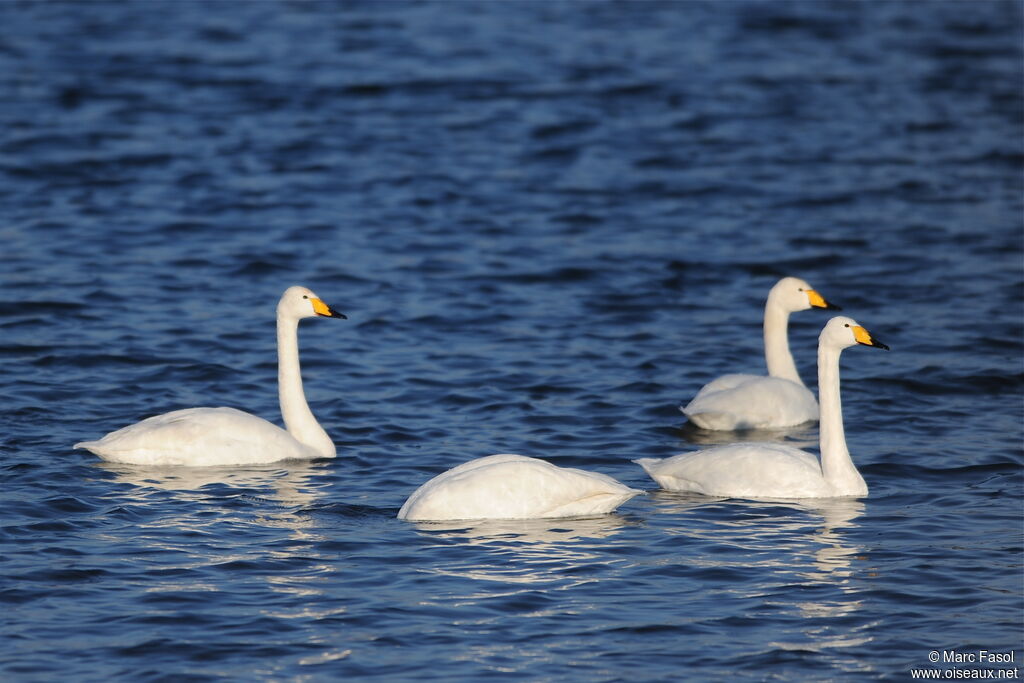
x,y
772,470
225,436
740,401
509,486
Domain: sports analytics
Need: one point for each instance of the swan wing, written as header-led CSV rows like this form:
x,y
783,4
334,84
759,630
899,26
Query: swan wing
x,y
749,470
509,486
724,383
199,437
751,402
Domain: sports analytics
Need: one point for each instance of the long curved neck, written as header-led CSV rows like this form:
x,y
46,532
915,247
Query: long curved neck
x,y
836,465
298,419
776,344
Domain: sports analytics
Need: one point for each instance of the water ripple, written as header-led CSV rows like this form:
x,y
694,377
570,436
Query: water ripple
x,y
549,225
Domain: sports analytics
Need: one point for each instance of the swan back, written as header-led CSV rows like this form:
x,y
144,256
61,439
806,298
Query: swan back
x,y
747,470
736,401
507,486
199,437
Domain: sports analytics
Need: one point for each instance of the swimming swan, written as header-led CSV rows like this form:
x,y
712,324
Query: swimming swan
x,y
225,436
509,486
772,470
740,401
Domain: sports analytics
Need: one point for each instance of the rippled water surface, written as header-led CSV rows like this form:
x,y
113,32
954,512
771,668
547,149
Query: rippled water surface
x,y
549,225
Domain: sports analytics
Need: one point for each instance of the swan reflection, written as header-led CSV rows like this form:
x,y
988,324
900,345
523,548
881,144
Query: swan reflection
x,y
197,508
756,525
294,485
528,551
797,436
793,542
285,489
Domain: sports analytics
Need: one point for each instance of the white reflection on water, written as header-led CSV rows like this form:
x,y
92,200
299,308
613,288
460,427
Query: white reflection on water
x,y
543,532
808,548
535,552
191,536
292,485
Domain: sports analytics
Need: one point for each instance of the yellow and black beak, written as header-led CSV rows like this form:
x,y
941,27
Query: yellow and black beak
x,y
864,337
818,301
320,308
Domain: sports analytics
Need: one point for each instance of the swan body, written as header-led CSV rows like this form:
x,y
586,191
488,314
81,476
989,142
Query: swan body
x,y
780,399
771,470
739,401
202,437
509,486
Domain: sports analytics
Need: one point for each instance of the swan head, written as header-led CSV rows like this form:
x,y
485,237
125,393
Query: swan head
x,y
300,302
841,332
793,294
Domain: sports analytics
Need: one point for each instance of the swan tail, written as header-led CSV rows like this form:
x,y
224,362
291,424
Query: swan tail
x,y
597,504
96,448
656,470
699,419
647,463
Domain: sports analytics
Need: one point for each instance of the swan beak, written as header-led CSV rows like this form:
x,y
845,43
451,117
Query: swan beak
x,y
818,301
320,308
864,337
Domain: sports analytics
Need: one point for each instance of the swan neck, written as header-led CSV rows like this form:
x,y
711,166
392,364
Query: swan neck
x,y
776,344
298,418
837,467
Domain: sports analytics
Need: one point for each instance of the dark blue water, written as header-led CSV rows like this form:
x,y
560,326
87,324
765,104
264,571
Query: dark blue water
x,y
549,224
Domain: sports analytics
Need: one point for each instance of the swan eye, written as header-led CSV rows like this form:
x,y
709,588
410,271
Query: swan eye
x,y
304,296
846,325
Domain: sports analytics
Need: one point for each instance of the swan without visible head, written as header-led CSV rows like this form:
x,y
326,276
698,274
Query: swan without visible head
x,y
739,401
773,471
226,436
507,486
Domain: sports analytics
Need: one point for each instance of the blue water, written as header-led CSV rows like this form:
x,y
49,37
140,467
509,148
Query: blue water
x,y
549,224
